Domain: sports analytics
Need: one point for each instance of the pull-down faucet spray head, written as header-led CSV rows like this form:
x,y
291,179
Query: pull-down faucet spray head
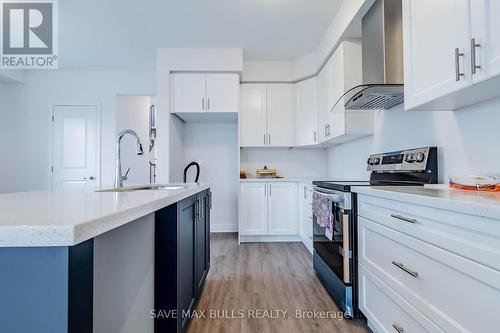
x,y
140,151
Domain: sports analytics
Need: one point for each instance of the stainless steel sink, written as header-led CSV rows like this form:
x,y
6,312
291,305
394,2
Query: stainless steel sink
x,y
151,187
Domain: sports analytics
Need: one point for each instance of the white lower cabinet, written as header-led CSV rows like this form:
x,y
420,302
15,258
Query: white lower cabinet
x,y
306,215
268,209
386,311
282,209
253,209
411,276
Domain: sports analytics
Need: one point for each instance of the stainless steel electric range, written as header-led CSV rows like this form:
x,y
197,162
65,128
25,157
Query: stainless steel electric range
x,y
335,246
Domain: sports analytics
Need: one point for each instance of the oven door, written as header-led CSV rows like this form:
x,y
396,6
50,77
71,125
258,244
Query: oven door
x,y
335,252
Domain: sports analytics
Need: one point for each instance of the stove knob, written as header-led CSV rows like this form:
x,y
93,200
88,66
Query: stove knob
x,y
420,157
410,158
377,160
369,162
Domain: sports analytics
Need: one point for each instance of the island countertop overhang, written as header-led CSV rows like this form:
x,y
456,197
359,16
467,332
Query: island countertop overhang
x,y
67,218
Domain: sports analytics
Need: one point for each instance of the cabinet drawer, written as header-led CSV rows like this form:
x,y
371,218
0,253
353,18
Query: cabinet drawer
x,y
388,312
472,237
457,294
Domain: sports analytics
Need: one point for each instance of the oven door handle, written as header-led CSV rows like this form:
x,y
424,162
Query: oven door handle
x,y
332,196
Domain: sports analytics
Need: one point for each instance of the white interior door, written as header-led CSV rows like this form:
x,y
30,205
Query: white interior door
x,y
253,115
189,92
223,93
76,146
283,210
485,29
253,208
280,115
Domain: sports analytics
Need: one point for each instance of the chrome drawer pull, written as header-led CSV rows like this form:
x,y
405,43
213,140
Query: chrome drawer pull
x,y
398,328
403,218
402,267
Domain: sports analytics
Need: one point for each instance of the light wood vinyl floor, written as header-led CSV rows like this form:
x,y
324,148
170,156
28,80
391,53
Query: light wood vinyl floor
x,y
264,276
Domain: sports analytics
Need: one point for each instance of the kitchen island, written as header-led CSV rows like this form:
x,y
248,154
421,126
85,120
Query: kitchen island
x,y
87,261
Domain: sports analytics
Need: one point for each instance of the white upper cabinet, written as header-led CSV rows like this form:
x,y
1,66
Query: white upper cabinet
x,y
341,73
451,51
253,126
196,93
282,208
485,31
189,92
267,117
324,101
306,113
280,115
436,49
223,92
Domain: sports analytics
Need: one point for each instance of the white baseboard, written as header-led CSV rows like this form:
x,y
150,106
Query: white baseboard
x,y
276,238
223,227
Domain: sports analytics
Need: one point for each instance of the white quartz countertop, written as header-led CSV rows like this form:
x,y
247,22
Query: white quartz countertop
x,y
70,217
298,180
485,204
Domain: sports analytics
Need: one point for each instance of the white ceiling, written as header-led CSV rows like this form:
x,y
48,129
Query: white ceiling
x,y
124,34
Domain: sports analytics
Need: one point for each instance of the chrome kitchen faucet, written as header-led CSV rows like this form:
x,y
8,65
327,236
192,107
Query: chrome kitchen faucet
x,y
119,178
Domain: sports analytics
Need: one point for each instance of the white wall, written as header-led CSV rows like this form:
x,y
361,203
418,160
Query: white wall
x,y
25,119
467,140
180,59
132,112
215,147
290,163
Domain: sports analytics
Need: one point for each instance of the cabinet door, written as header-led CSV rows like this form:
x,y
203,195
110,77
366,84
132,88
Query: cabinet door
x,y
253,208
431,32
223,93
201,247
305,214
280,115
324,78
189,92
283,211
253,132
186,258
485,29
306,113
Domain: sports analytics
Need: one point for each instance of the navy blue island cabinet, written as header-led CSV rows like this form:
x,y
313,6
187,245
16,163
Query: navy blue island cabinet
x,y
182,260
50,289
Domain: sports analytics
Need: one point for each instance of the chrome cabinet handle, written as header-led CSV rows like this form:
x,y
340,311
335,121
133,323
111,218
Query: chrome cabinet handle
x,y
405,269
270,189
203,104
314,136
305,192
398,328
404,218
269,138
458,54
208,103
473,46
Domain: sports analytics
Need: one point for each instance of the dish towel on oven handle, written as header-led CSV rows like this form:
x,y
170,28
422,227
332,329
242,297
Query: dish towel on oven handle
x,y
322,209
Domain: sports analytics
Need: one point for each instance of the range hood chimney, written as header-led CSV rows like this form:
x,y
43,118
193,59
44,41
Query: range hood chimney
x,y
382,56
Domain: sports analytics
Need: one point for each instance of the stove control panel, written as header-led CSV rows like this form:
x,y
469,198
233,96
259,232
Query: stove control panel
x,y
411,160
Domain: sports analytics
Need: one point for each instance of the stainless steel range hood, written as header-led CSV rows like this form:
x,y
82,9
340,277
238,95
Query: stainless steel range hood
x,y
382,54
